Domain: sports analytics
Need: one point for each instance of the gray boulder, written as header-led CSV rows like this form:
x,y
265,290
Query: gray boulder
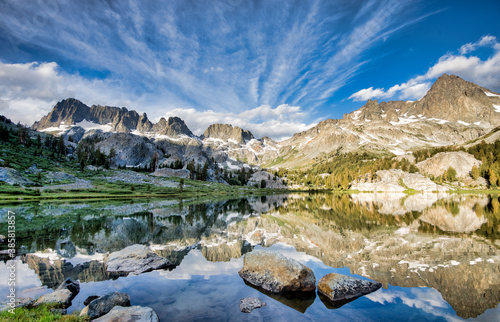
x,y
127,314
60,298
2,238
249,303
338,287
277,273
12,177
104,304
135,259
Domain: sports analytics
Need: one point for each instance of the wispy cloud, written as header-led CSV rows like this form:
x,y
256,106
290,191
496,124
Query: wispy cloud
x,y
472,68
227,56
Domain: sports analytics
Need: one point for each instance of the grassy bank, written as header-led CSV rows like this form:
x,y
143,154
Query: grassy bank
x,y
39,313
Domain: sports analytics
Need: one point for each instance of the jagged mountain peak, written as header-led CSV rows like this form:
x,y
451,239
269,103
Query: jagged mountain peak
x,y
174,126
67,111
227,132
454,99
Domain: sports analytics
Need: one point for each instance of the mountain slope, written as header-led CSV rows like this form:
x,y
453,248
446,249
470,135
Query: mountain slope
x,y
453,111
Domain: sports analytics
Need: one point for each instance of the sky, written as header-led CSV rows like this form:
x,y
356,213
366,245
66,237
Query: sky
x,y
274,67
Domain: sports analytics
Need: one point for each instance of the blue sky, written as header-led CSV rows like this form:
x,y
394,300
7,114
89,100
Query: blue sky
x,y
273,67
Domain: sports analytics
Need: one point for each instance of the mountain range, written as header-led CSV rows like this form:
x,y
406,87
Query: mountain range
x,y
453,112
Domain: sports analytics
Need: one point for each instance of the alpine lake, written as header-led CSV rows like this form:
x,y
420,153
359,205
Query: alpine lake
x,y
436,255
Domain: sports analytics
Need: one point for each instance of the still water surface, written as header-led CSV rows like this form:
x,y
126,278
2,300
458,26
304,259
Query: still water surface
x,y
437,256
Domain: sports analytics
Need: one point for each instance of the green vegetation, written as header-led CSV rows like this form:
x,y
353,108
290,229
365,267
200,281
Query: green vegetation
x,y
40,313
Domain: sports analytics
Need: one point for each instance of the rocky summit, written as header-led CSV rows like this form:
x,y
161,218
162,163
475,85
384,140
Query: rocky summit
x,y
453,112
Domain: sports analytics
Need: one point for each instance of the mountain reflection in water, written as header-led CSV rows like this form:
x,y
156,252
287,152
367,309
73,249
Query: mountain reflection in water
x,y
446,246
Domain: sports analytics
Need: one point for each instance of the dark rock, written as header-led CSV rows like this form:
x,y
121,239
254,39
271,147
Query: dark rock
x,y
90,299
69,284
337,287
249,303
135,259
277,273
127,314
105,303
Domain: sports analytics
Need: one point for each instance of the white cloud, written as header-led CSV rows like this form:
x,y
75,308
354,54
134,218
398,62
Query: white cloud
x,y
28,91
485,73
278,123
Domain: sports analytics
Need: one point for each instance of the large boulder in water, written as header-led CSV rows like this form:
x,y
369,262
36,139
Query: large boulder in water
x,y
277,273
338,287
127,314
135,259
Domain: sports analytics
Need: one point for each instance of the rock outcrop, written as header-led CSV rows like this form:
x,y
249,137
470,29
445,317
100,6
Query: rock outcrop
x,y
396,180
276,273
127,314
264,179
461,161
135,259
174,126
13,177
338,287
227,132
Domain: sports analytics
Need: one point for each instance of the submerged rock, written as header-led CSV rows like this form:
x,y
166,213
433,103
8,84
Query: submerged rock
x,y
338,287
135,259
104,304
132,313
249,303
277,273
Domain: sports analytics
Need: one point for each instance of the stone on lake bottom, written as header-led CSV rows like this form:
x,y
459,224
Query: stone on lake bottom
x,y
249,303
338,287
131,313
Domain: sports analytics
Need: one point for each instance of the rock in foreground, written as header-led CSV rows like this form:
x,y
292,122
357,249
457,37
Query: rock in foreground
x,y
249,303
105,304
135,259
338,287
132,313
60,298
277,273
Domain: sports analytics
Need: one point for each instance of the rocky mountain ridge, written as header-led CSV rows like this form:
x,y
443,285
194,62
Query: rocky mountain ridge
x,y
453,112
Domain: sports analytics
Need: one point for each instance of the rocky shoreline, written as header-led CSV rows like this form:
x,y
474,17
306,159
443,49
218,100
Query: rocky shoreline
x,y
269,272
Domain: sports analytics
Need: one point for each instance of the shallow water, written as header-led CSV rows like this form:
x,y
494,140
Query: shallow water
x,y
437,256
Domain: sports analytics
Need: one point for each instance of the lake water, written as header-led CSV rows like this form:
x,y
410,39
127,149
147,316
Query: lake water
x,y
437,256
